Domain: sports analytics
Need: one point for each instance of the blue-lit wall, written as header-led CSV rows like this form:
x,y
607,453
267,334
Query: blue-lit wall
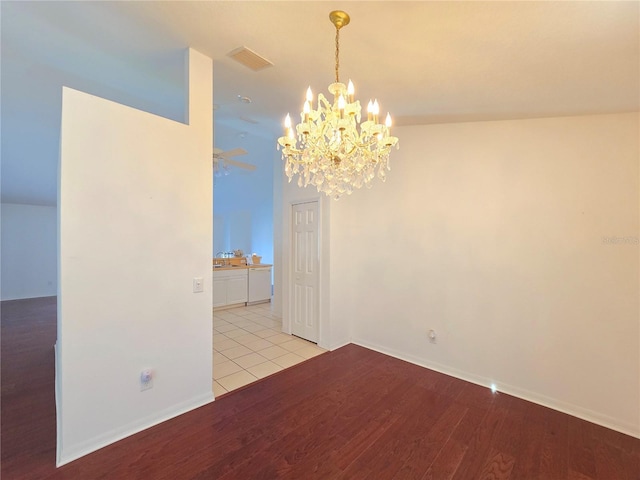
x,y
243,200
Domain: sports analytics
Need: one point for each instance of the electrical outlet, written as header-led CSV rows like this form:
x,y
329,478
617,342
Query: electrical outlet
x,y
433,338
146,380
198,285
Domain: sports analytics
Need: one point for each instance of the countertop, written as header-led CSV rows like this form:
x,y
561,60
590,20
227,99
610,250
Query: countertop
x,y
242,267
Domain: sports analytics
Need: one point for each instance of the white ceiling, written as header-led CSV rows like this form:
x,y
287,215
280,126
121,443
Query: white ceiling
x,y
426,62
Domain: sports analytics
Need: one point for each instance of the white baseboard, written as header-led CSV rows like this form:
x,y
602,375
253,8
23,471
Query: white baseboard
x,y
69,454
553,403
338,345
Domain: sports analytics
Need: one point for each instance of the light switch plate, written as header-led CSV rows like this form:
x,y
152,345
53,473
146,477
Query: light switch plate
x,y
198,285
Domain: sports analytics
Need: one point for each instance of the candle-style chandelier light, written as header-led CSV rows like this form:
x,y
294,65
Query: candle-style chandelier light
x,y
331,148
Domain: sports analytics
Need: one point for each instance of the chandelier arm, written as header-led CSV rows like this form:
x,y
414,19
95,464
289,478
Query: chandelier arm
x,y
355,147
323,133
359,142
322,147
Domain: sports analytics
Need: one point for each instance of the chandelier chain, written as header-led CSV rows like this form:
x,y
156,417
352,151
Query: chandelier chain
x,y
337,54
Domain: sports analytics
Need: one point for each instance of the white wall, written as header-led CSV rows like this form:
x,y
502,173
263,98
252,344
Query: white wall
x,y
29,245
135,228
220,234
495,234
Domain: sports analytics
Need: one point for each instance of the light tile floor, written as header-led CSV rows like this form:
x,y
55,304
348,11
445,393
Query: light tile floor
x,y
248,344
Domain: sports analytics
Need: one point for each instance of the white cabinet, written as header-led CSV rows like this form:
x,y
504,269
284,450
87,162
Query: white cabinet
x,y
230,287
259,284
237,289
219,291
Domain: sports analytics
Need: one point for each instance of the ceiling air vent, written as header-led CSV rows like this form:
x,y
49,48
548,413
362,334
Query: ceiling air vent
x,y
249,58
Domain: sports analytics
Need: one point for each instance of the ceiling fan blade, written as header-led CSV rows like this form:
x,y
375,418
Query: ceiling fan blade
x,y
221,158
233,153
235,163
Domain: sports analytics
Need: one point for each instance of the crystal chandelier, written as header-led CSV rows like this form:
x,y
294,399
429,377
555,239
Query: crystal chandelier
x,y
331,148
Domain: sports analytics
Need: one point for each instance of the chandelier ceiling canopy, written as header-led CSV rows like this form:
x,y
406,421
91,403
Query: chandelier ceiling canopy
x,y
332,147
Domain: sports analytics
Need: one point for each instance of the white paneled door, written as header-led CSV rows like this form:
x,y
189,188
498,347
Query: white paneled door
x,y
305,261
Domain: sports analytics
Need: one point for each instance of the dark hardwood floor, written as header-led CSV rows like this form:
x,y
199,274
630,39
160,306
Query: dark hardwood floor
x,y
348,414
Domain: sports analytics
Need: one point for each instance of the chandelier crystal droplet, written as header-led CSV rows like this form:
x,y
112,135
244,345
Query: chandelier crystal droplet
x,y
331,148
